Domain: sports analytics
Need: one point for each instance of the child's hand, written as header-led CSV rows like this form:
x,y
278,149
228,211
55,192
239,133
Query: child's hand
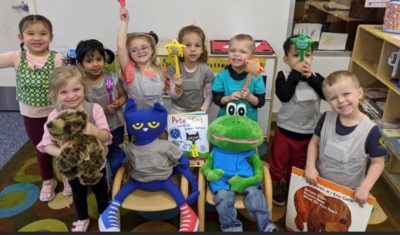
x,y
361,195
245,93
298,66
236,95
306,70
311,175
177,80
124,14
110,109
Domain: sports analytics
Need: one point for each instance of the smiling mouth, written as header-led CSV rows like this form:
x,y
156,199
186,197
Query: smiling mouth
x,y
240,141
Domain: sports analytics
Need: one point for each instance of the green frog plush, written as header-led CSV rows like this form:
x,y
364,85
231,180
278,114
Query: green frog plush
x,y
233,166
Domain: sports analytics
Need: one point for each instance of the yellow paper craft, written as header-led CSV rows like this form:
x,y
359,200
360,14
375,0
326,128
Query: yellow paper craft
x,y
175,50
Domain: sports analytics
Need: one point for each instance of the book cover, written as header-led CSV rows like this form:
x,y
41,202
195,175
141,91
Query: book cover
x,y
221,47
326,207
189,132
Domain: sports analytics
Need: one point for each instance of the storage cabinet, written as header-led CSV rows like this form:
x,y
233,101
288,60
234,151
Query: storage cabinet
x,y
217,63
371,51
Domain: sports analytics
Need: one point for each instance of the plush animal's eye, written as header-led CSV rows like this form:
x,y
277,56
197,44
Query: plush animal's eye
x,y
137,126
153,124
231,109
241,110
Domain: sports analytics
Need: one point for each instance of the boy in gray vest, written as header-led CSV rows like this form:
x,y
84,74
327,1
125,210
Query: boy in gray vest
x,y
300,93
345,139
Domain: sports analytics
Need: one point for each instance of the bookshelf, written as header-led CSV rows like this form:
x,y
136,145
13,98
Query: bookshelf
x,y
217,63
371,51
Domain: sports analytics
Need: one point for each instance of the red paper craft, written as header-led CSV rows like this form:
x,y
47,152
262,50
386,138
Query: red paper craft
x,y
221,47
122,3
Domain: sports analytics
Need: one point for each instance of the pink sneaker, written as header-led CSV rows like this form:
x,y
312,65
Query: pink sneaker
x,y
67,191
80,225
189,221
47,192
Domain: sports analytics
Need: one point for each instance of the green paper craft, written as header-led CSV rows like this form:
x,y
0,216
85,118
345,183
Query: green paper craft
x,y
302,43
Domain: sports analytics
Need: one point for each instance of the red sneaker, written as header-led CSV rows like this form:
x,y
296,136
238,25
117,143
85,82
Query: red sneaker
x,y
189,220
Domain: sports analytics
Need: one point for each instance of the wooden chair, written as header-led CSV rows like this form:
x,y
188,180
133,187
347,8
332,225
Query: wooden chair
x,y
146,201
207,196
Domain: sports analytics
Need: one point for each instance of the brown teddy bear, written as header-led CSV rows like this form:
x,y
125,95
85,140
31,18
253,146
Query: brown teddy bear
x,y
321,212
84,157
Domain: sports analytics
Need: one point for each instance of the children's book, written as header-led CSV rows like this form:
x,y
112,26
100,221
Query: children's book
x,y
189,132
326,207
221,47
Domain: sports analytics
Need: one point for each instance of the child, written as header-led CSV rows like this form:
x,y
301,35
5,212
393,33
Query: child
x,y
345,139
191,91
106,90
140,70
68,87
33,65
228,84
300,93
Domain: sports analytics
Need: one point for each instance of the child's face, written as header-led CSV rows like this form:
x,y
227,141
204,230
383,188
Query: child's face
x,y
343,97
93,64
194,47
293,58
239,51
140,51
72,94
37,38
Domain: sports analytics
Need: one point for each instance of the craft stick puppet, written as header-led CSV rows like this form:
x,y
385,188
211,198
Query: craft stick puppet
x,y
122,3
254,68
302,43
175,50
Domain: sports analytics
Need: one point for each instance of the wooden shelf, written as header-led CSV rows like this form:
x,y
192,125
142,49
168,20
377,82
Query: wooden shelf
x,y
372,48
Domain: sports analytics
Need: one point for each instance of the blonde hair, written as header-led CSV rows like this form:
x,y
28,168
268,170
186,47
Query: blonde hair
x,y
150,40
60,78
244,37
340,75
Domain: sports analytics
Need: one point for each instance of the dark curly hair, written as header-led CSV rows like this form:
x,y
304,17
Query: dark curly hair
x,y
88,47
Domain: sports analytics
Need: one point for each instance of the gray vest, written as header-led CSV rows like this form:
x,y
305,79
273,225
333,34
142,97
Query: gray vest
x,y
99,94
146,91
300,114
342,159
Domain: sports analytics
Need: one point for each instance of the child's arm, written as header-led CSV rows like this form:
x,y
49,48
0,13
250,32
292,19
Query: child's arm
x,y
208,97
6,59
101,130
315,81
175,86
118,103
122,54
285,88
374,172
311,172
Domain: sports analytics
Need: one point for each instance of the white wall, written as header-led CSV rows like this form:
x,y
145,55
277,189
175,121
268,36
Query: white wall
x,y
9,19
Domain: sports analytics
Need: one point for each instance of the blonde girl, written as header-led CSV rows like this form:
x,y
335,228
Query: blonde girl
x,y
140,70
69,89
34,64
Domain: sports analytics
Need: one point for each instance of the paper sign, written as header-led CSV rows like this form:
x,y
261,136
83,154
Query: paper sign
x,y
332,41
310,29
375,3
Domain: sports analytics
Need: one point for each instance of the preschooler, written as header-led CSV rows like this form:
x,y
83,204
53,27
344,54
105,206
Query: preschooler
x,y
345,139
68,88
33,65
191,91
228,84
106,90
300,93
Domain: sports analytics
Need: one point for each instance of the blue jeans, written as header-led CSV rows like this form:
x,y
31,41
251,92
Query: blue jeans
x,y
255,205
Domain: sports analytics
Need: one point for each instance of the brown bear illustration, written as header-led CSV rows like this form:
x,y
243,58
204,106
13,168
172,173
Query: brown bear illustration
x,y
321,213
85,156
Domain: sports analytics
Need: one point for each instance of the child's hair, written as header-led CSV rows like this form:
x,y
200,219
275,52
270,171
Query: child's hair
x,y
195,29
244,37
88,47
61,76
340,75
31,19
150,39
288,43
